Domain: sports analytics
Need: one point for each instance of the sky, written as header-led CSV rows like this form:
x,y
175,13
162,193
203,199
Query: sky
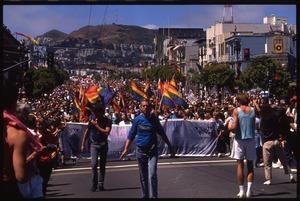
x,y
35,20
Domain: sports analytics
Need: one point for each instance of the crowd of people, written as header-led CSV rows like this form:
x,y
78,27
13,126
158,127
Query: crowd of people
x,y
48,115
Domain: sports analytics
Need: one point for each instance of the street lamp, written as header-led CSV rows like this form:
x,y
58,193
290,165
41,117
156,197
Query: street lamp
x,y
237,49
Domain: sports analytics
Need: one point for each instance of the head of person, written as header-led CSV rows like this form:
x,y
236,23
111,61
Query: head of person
x,y
145,107
40,124
10,98
243,99
267,112
98,110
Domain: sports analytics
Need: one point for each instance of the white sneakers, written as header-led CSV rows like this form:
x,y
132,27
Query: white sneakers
x,y
242,194
249,194
227,154
277,165
292,179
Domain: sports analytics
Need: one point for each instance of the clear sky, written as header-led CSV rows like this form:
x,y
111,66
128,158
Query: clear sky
x,y
35,20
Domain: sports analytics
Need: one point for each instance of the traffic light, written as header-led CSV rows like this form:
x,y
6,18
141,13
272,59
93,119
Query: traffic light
x,y
270,84
246,53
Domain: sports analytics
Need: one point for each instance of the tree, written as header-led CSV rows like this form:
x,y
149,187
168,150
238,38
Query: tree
x,y
164,73
263,70
217,74
44,80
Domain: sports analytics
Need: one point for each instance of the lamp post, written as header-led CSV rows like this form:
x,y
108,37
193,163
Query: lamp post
x,y
237,49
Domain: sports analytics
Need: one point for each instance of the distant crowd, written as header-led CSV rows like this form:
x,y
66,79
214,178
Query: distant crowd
x,y
60,104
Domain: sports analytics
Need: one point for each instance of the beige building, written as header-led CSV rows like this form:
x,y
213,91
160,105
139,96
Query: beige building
x,y
216,49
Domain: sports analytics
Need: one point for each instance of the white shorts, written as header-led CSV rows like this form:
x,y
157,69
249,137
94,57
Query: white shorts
x,y
243,149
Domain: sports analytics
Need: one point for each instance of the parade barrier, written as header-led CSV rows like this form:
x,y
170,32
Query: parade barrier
x,y
188,137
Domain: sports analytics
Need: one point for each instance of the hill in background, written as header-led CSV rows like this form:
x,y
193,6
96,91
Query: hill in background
x,y
108,34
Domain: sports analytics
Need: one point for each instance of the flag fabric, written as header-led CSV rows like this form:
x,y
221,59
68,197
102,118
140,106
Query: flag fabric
x,y
122,101
147,88
76,101
176,96
92,94
138,93
167,99
80,102
191,97
76,97
173,82
116,107
83,116
160,88
106,95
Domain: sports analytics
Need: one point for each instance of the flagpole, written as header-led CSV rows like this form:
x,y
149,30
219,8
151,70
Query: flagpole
x,y
160,101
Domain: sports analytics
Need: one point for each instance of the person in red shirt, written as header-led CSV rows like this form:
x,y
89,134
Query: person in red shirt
x,y
47,159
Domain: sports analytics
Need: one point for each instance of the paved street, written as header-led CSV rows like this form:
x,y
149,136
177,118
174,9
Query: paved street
x,y
182,177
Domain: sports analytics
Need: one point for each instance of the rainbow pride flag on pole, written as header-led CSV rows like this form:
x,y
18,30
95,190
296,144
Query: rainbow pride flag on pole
x,y
138,93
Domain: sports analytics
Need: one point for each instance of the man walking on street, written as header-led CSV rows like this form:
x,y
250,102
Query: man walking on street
x,y
144,130
243,147
98,129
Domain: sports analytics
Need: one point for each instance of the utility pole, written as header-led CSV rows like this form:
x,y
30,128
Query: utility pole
x,y
237,49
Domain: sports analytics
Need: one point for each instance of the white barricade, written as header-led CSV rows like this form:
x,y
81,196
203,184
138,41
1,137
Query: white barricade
x,y
188,137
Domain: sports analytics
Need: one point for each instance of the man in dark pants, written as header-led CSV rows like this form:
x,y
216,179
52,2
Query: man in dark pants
x,y
98,129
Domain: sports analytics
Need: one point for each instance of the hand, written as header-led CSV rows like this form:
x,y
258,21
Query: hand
x,y
94,122
123,154
53,155
172,152
82,148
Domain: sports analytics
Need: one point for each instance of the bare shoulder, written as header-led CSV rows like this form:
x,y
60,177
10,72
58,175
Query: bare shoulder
x,y
16,136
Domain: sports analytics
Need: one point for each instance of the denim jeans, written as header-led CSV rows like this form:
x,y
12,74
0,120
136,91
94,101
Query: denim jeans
x,y
148,172
98,149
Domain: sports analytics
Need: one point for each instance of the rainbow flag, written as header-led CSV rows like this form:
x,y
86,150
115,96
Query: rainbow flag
x,y
147,88
106,95
138,93
122,101
91,94
81,101
173,82
116,107
176,96
167,99
160,88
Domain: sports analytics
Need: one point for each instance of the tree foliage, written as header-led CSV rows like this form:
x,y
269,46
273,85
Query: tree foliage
x,y
44,80
164,73
217,74
260,72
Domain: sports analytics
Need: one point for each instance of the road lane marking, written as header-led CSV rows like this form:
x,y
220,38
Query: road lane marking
x,y
158,164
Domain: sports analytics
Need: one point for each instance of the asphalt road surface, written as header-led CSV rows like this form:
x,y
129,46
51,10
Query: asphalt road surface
x,y
181,177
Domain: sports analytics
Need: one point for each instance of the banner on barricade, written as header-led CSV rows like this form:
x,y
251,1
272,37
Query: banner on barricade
x,y
187,137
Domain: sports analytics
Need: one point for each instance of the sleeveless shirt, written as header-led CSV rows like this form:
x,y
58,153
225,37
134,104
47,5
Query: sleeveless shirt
x,y
246,125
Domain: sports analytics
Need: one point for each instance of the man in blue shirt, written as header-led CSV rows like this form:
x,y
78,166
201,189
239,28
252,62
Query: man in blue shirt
x,y
144,129
98,129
